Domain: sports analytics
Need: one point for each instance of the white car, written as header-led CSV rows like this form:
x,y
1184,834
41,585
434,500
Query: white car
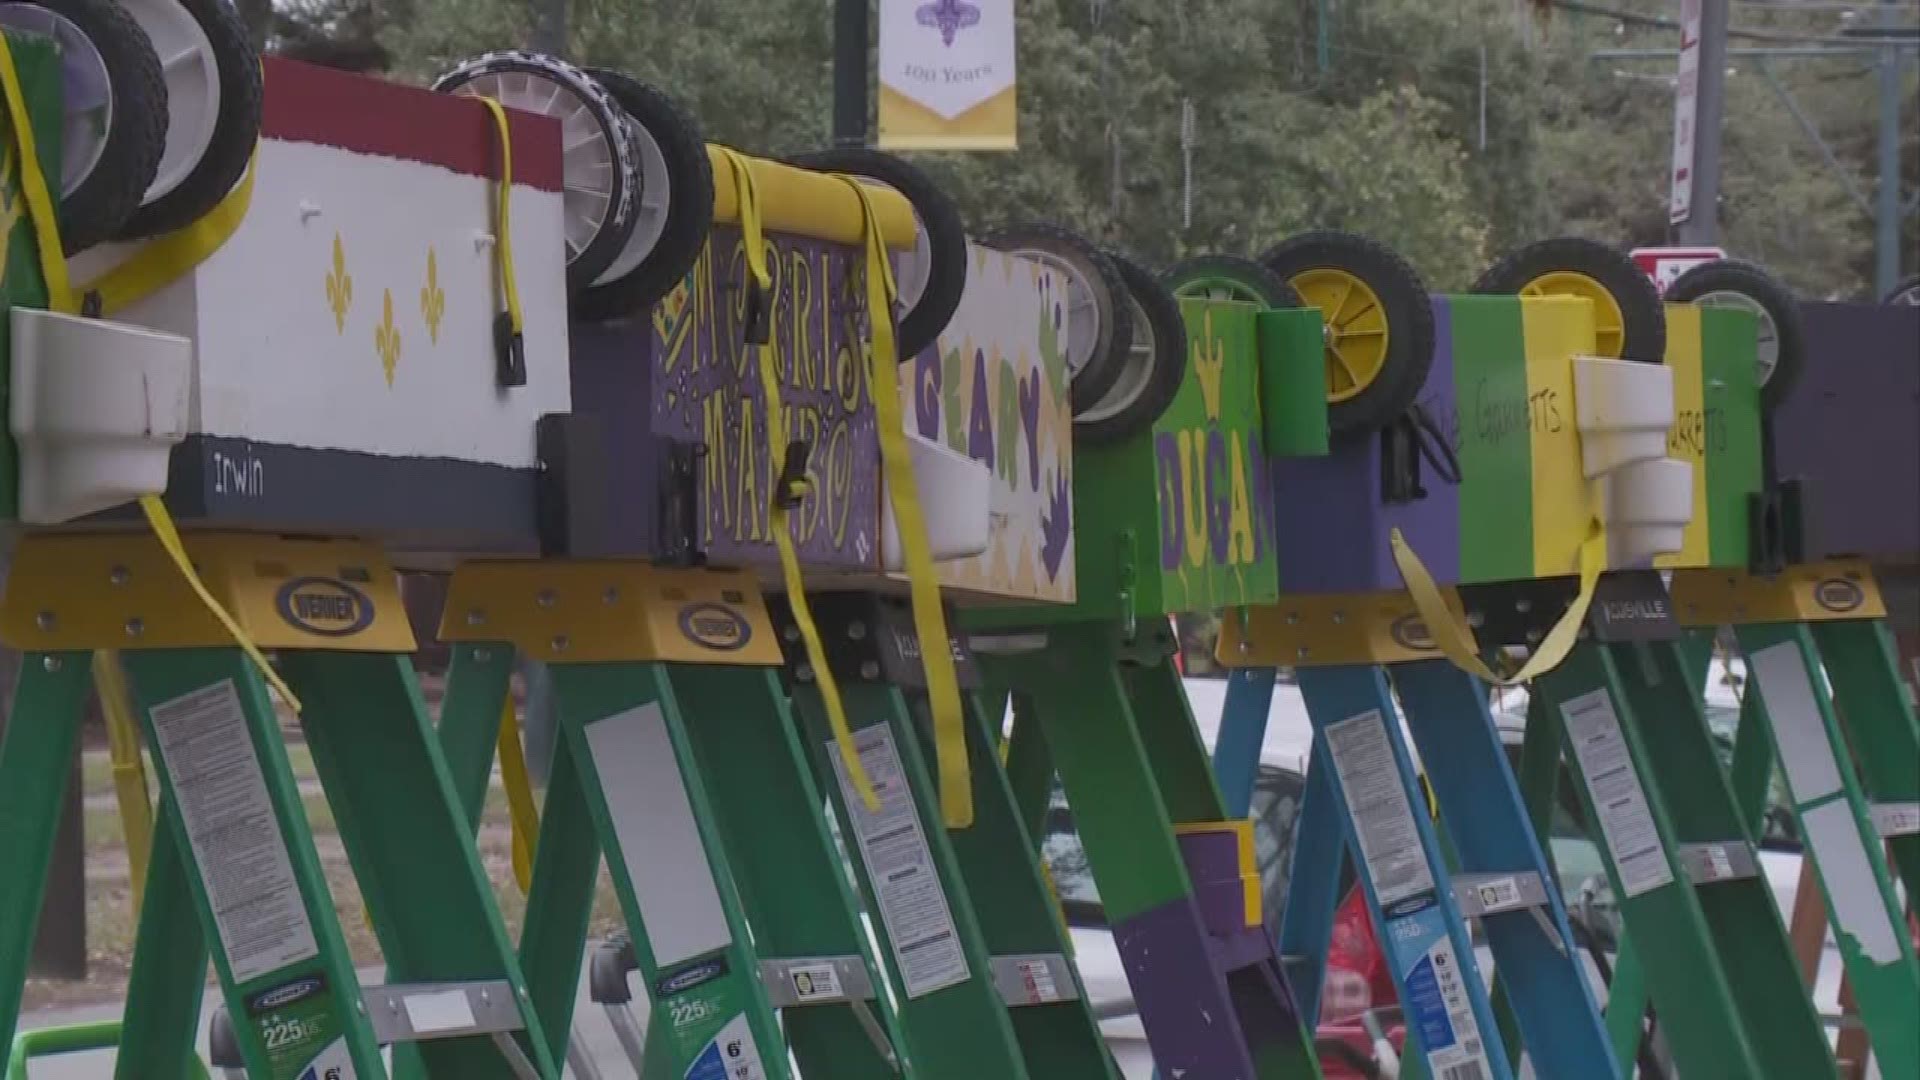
x,y
1279,787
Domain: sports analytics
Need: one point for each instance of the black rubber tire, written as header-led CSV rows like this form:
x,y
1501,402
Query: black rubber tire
x,y
235,132
1139,397
1090,265
1782,308
1643,320
1255,281
1904,293
1409,316
103,201
689,211
598,253
940,219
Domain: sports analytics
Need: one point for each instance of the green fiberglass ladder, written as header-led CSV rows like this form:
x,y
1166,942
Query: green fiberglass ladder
x,y
234,869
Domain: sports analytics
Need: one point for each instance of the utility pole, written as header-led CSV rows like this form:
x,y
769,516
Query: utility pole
x,y
850,73
1886,203
550,27
1701,225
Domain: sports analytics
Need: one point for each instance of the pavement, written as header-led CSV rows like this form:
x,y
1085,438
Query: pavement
x,y
591,1031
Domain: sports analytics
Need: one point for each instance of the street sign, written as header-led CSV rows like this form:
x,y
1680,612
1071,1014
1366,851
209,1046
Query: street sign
x,y
1685,95
1663,264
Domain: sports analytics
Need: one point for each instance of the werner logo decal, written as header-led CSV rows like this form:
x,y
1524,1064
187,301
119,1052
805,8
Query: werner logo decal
x,y
324,605
689,977
715,626
285,995
1839,595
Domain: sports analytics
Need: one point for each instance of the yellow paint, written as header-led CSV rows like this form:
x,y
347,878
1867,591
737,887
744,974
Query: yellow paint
x,y
12,205
433,300
1357,334
386,337
1244,852
1842,590
1683,356
1209,361
1610,333
1556,329
123,591
1323,629
339,286
905,124
800,202
601,611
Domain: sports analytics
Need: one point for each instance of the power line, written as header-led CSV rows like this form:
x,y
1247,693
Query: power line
x,y
1636,19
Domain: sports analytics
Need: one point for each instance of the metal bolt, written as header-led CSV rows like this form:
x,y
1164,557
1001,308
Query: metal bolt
x,y
560,643
1533,637
856,630
475,617
1293,618
51,663
1339,617
545,598
393,1005
482,655
118,575
136,626
1301,652
869,669
790,633
611,596
804,672
45,621
1476,618
486,997
1523,605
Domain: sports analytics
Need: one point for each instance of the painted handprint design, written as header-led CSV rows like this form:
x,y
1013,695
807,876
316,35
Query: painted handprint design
x,y
1056,525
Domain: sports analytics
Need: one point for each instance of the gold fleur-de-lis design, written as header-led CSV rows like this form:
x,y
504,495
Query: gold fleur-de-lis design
x,y
433,300
339,286
386,336
1209,358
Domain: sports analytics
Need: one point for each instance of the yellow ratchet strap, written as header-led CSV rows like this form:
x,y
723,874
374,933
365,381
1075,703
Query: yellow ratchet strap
x,y
776,423
1455,638
896,470
503,229
129,770
521,811
153,266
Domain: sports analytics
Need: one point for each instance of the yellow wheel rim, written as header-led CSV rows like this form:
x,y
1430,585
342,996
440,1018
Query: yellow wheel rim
x,y
1356,328
1609,324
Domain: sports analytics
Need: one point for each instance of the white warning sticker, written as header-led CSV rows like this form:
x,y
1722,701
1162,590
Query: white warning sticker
x,y
1036,978
237,845
811,982
1621,803
899,864
1377,803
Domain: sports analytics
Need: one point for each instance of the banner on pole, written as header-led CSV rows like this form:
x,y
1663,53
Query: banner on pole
x,y
947,75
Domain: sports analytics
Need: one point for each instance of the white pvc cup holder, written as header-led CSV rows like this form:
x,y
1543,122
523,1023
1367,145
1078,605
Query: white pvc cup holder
x,y
1648,506
954,491
1623,409
97,409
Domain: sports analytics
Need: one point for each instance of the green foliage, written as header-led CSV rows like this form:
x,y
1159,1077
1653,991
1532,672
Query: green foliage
x,y
1452,131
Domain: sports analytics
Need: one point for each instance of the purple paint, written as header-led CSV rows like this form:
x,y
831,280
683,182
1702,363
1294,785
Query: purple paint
x,y
979,414
707,389
1219,495
1850,431
1166,456
1056,524
926,392
1182,997
1340,541
1030,424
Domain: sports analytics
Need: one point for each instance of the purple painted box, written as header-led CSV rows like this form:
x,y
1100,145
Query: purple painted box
x,y
1850,432
685,376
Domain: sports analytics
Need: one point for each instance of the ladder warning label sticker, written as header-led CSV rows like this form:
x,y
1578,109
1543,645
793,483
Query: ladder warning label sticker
x,y
812,982
1036,978
1436,994
894,850
1621,803
731,1055
1805,754
299,1027
1377,804
237,845
1853,886
1499,893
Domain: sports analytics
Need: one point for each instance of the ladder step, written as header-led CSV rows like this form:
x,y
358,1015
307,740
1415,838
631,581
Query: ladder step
x,y
1722,860
1480,895
417,1012
1893,819
1034,979
815,980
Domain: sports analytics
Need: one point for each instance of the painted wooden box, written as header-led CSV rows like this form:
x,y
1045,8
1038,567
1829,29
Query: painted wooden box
x,y
1850,432
674,407
994,387
344,373
1501,389
1180,517
38,67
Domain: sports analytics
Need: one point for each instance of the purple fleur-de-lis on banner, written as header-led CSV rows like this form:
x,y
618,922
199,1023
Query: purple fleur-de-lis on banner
x,y
948,16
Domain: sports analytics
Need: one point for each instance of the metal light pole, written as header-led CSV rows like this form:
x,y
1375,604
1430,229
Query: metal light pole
x,y
1886,203
850,72
1701,227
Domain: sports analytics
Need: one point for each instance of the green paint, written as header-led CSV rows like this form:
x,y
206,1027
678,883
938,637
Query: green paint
x,y
1293,399
1732,400
38,66
1863,666
1490,384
